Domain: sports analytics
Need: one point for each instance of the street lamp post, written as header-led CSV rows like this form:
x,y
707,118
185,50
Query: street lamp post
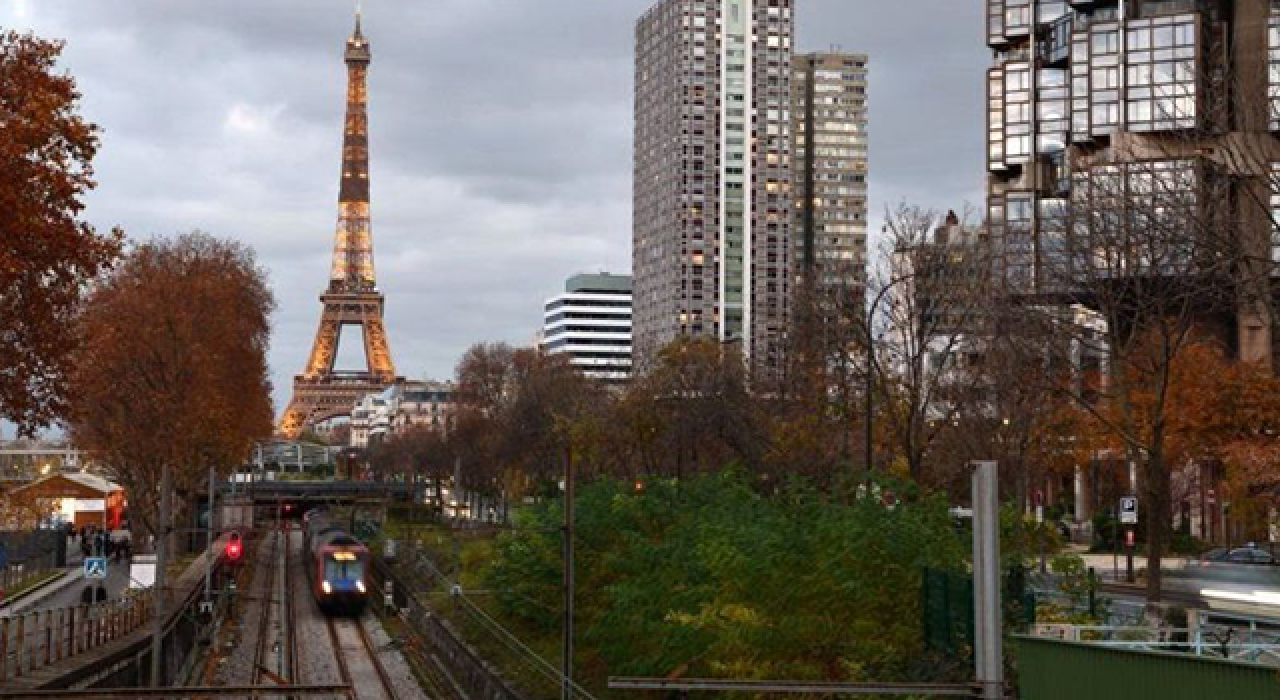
x,y
869,385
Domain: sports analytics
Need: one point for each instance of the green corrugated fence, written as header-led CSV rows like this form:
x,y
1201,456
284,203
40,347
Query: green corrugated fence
x,y
1050,669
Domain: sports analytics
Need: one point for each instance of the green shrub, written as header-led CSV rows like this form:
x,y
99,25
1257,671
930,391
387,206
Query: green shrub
x,y
709,577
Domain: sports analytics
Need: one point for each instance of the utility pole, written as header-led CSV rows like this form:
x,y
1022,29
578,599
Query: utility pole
x,y
566,691
868,421
159,591
208,543
988,654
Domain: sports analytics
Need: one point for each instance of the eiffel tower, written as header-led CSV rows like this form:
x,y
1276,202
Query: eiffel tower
x,y
322,392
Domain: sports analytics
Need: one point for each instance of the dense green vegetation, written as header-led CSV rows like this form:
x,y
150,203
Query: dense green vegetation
x,y
711,577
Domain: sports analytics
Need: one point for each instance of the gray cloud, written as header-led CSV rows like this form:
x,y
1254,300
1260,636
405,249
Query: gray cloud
x,y
501,139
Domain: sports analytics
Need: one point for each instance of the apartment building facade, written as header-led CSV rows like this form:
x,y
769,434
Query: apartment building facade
x,y
403,406
711,240
829,172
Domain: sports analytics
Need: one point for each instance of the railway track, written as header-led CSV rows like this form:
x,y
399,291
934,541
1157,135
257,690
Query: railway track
x,y
275,657
358,661
264,620
294,666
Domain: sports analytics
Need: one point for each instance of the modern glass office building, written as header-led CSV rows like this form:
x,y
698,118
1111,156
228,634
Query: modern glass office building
x,y
1136,100
591,323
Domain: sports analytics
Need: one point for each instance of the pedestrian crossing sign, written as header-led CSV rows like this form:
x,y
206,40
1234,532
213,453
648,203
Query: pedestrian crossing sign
x,y
95,567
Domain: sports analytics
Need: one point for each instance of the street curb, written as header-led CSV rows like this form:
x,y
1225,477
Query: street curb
x,y
52,585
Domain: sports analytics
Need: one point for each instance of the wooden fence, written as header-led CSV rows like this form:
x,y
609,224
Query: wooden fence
x,y
41,638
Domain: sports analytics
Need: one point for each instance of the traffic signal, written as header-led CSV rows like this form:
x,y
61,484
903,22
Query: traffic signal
x,y
235,548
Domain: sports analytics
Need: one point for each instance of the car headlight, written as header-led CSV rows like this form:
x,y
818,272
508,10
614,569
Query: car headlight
x,y
324,586
360,586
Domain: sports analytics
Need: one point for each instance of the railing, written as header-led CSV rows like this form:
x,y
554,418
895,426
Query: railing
x,y
15,575
317,488
44,638
1217,641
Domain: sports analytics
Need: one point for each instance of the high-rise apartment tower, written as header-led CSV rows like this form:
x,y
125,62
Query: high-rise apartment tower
x,y
1137,100
712,198
829,172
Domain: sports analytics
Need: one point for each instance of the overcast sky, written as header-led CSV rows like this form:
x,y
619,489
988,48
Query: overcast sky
x,y
500,139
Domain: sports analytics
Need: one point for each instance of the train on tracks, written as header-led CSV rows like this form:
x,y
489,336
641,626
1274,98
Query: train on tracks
x,y
337,564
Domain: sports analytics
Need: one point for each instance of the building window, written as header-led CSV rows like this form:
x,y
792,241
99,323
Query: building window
x,y
1162,76
1106,78
1275,212
1273,35
1016,80
1105,42
1106,114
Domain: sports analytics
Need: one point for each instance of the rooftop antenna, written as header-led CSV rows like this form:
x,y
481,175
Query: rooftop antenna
x,y
359,12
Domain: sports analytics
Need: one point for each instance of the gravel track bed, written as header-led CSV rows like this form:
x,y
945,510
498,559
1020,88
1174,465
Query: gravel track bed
x,y
402,678
316,662
240,638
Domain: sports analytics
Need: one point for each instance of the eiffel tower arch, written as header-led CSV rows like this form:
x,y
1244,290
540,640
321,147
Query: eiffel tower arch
x,y
322,391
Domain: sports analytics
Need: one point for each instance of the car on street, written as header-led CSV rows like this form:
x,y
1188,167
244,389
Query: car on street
x,y
1249,565
1247,555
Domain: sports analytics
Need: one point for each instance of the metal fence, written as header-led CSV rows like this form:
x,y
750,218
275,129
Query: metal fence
x,y
43,638
463,665
1051,669
28,555
1216,641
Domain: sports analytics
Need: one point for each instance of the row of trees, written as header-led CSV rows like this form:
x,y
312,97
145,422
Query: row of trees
x,y
152,354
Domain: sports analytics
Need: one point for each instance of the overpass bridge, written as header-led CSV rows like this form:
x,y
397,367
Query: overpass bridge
x,y
305,493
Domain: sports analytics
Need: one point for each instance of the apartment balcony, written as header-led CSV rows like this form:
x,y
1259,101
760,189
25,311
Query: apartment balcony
x,y
1053,44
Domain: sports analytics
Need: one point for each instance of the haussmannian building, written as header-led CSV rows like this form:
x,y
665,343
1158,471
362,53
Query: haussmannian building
x,y
711,252
829,172
1150,95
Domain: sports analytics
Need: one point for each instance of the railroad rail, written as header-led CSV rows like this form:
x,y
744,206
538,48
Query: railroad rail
x,y
291,613
264,620
183,693
342,652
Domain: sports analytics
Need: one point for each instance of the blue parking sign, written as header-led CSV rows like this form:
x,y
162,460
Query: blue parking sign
x,y
95,567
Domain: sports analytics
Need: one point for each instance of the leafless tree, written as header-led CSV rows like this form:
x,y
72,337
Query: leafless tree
x,y
925,324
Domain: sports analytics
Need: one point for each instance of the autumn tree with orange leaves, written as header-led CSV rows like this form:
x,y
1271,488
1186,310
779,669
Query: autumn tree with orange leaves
x,y
1227,413
170,367
47,254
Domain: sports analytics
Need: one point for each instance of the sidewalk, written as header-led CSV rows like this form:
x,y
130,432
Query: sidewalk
x,y
35,600
1105,562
